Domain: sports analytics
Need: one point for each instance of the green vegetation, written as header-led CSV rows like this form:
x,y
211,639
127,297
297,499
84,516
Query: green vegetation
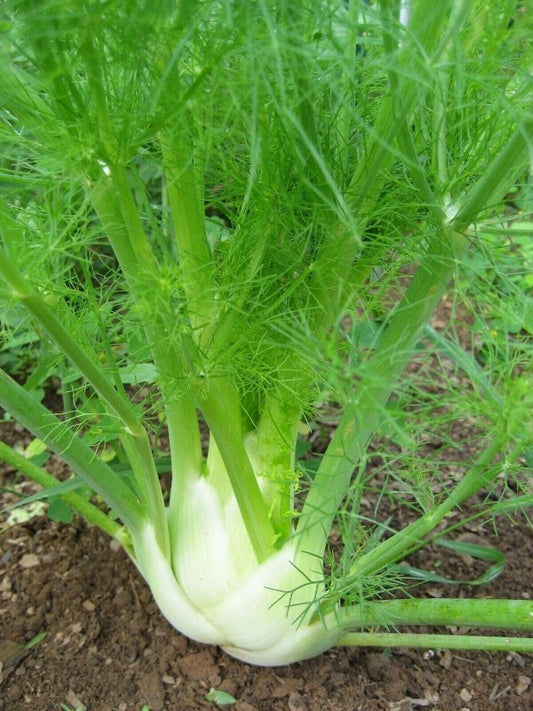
x,y
242,216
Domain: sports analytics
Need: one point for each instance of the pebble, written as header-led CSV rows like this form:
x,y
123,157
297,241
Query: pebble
x,y
29,560
523,684
465,695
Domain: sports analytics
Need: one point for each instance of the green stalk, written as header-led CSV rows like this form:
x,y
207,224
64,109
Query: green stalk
x,y
79,456
135,438
140,248
216,396
276,440
186,208
135,441
362,418
141,276
488,613
437,641
216,400
497,177
89,512
104,201
113,201
185,448
224,423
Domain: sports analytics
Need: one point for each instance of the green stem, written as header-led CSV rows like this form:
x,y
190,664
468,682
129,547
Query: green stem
x,y
141,250
425,30
141,275
103,199
89,512
223,418
189,228
79,456
185,449
497,177
362,419
114,203
456,612
437,641
276,440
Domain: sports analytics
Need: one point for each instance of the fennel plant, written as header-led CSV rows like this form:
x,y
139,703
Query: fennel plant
x,y
243,215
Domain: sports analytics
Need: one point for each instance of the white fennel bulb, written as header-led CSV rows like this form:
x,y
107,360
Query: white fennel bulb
x,y
213,590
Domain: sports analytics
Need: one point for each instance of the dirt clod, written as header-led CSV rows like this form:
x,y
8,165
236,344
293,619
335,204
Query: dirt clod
x,y
151,688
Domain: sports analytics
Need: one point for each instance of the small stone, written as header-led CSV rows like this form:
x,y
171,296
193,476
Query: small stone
x,y
516,658
88,606
465,695
523,684
29,560
446,659
73,700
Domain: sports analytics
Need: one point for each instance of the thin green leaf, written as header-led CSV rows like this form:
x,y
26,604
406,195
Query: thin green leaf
x,y
462,548
34,641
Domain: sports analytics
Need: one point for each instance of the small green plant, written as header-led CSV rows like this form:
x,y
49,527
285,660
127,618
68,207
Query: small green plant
x,y
243,215
221,698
